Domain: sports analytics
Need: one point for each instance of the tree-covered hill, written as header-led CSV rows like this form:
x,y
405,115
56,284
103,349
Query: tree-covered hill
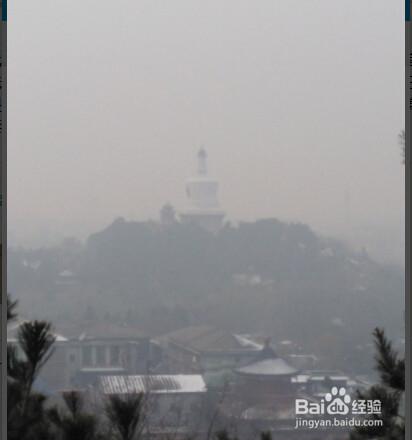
x,y
267,276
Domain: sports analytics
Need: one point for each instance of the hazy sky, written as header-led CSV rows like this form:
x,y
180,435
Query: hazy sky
x,y
298,102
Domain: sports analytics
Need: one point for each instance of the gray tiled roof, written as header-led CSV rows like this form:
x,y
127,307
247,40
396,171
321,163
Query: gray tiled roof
x,y
178,383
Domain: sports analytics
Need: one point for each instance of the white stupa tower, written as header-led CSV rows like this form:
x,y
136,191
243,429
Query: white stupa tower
x,y
203,206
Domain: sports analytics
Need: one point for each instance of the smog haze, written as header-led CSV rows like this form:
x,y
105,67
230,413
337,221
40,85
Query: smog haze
x,y
298,104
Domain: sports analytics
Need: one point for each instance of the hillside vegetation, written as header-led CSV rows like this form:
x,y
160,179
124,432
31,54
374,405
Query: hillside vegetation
x,y
266,277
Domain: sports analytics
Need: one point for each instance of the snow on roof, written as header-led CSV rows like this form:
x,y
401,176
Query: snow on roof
x,y
66,273
306,356
268,413
286,342
305,378
32,264
268,367
339,378
206,339
301,378
160,384
246,341
327,252
107,370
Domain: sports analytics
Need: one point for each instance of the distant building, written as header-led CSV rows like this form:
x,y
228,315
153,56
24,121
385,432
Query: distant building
x,y
66,278
83,355
207,350
267,380
262,397
158,384
167,215
108,349
172,403
203,206
316,383
302,361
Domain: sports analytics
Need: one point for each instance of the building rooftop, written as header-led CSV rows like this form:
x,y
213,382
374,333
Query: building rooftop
x,y
110,331
268,367
159,384
209,339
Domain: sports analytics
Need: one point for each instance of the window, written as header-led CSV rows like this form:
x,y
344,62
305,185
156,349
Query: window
x,y
101,355
87,355
114,355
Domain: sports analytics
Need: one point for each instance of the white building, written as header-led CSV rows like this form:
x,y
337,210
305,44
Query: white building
x,y
203,206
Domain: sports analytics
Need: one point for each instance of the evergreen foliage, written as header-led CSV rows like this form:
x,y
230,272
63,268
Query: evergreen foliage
x,y
390,392
74,423
26,416
126,416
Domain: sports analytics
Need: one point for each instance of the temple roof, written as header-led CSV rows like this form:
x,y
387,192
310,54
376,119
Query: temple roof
x,y
267,363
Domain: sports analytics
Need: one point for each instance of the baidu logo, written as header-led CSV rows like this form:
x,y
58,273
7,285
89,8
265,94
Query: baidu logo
x,y
338,401
337,409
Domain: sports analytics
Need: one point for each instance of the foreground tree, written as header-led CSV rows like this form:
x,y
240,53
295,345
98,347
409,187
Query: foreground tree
x,y
26,416
390,392
224,435
126,415
11,309
74,423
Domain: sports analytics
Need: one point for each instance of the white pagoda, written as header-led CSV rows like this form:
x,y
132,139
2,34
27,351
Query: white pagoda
x,y
203,206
